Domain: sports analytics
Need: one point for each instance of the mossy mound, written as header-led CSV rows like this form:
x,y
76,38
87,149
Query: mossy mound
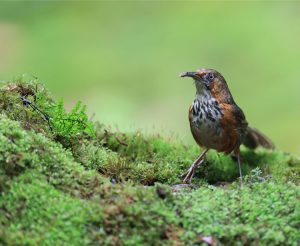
x,y
65,180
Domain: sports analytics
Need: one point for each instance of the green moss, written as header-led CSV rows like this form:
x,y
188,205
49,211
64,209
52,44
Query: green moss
x,y
83,184
25,149
265,213
12,105
38,214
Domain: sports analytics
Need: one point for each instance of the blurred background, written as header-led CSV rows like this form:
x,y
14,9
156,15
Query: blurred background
x,y
122,59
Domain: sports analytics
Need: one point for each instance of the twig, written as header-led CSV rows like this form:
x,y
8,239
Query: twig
x,y
26,102
121,142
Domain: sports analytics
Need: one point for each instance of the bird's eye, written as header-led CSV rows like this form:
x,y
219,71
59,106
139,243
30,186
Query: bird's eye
x,y
210,77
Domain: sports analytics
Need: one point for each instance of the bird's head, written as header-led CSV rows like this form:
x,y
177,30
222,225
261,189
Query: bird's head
x,y
205,78
209,80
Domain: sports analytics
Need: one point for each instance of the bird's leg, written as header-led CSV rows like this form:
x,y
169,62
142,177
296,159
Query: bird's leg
x,y
237,154
188,175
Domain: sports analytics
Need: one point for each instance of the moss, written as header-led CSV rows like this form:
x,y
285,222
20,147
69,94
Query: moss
x,y
264,213
18,101
38,214
83,184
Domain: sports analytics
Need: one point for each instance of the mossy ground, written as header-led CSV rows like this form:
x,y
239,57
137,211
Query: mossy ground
x,y
65,180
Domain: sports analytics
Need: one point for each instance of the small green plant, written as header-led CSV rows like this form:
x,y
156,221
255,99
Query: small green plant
x,y
70,124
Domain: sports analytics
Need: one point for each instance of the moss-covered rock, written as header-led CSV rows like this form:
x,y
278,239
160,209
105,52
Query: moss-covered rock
x,y
65,180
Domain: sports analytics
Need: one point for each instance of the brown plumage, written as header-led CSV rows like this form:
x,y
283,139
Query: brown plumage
x,y
216,121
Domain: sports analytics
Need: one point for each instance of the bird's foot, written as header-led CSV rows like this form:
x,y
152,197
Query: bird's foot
x,y
189,177
189,174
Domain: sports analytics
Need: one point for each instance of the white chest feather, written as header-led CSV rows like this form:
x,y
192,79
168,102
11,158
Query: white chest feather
x,y
206,115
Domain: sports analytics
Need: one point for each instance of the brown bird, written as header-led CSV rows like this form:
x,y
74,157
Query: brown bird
x,y
217,122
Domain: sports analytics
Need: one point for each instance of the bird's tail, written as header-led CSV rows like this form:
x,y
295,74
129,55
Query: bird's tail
x,y
255,138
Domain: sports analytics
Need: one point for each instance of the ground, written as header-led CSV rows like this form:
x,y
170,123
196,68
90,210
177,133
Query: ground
x,y
65,180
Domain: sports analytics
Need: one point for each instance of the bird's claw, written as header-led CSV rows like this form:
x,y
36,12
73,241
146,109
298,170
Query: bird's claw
x,y
189,174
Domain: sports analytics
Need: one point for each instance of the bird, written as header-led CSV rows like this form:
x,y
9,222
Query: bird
x,y
217,122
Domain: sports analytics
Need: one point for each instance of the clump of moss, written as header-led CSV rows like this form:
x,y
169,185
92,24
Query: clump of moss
x,y
67,180
22,150
32,105
263,213
19,101
35,213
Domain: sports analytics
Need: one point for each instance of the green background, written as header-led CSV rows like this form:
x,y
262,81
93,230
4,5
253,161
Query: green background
x,y
122,59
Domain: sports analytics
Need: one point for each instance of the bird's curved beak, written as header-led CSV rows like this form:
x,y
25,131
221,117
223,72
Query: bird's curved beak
x,y
188,74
